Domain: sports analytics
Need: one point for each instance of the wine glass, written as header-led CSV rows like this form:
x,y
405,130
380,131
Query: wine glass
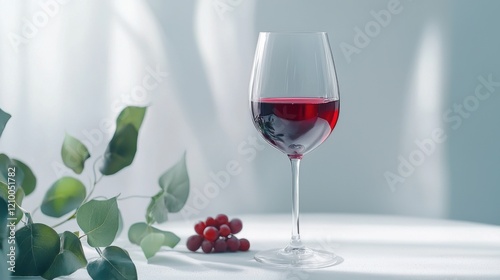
x,y
294,100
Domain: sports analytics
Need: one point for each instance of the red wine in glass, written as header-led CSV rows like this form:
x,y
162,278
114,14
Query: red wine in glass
x,y
296,125
294,100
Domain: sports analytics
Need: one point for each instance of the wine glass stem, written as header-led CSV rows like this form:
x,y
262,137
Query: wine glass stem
x,y
295,242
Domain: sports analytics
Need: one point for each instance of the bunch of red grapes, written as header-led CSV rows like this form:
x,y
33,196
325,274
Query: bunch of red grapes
x,y
218,235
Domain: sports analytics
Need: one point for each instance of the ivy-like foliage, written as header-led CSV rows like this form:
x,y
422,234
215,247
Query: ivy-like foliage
x,y
41,251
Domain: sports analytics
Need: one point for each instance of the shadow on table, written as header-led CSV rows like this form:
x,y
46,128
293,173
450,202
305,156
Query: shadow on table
x,y
197,261
363,261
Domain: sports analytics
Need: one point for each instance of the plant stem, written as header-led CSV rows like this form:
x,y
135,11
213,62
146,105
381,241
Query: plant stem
x,y
91,191
135,196
99,251
26,213
96,180
34,211
67,220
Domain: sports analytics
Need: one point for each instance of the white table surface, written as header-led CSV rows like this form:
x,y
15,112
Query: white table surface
x,y
374,247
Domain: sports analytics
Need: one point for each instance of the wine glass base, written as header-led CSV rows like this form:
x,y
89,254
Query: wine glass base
x,y
298,258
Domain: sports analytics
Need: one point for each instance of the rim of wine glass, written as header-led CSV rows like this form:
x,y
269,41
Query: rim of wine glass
x,y
323,33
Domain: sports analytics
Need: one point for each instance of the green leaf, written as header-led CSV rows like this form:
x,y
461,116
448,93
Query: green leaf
x,y
5,168
120,224
115,264
19,201
157,209
175,182
121,150
138,231
4,269
37,245
99,219
3,223
4,118
130,115
64,196
70,257
4,191
29,179
4,194
10,177
174,194
123,146
74,154
4,247
151,244
18,198
5,162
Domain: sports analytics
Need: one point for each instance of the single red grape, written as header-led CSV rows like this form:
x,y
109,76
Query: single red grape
x,y
244,244
224,230
210,222
194,242
233,243
220,245
211,233
236,225
200,227
221,219
206,246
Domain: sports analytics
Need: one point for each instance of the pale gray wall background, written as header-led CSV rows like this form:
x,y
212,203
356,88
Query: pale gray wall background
x,y
75,70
